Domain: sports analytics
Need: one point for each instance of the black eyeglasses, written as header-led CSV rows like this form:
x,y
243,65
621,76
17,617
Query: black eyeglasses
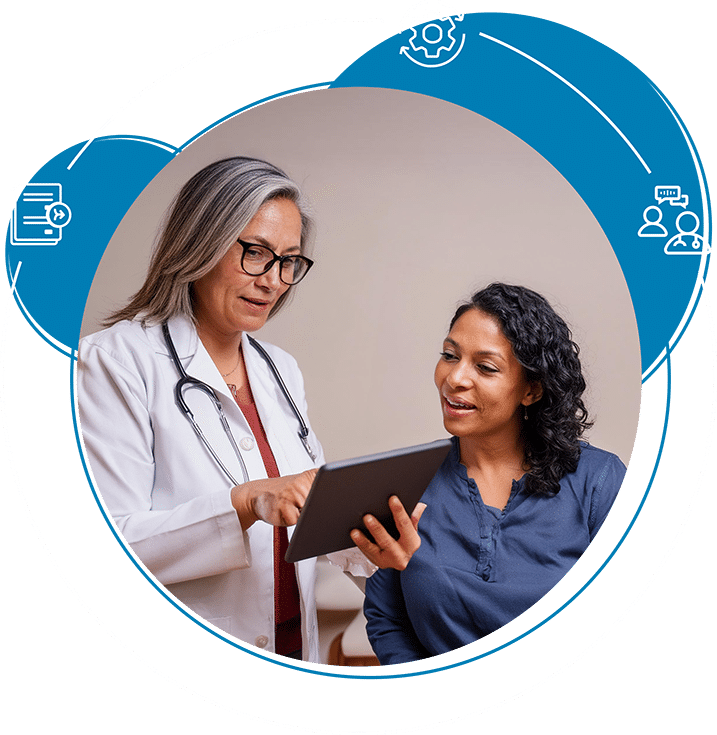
x,y
257,260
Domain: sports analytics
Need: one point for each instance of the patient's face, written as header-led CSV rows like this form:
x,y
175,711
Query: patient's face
x,y
482,386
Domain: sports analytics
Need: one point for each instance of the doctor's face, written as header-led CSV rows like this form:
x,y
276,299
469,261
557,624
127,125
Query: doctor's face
x,y
228,300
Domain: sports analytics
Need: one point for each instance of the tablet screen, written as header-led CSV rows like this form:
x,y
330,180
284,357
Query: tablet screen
x,y
343,492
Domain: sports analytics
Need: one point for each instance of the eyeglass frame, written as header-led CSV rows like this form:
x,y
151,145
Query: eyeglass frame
x,y
274,258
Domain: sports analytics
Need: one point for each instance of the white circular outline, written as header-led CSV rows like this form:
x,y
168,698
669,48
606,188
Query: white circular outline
x,y
63,224
286,725
431,25
659,218
300,728
680,231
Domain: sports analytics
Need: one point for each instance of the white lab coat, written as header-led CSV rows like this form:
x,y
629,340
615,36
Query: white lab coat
x,y
168,497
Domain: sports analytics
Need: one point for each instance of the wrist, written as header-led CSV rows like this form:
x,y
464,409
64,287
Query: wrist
x,y
242,502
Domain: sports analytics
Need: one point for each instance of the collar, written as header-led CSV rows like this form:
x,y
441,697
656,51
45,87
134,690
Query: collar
x,y
198,363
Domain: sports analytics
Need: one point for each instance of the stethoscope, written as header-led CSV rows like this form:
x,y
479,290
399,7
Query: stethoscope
x,y
189,382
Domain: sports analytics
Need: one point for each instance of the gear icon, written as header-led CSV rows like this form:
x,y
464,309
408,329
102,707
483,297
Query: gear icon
x,y
434,44
434,37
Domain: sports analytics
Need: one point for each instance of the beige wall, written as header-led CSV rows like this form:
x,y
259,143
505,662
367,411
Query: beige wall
x,y
418,203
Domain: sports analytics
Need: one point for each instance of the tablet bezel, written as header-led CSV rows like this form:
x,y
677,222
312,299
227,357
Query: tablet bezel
x,y
344,491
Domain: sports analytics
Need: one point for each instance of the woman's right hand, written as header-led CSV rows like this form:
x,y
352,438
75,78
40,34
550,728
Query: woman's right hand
x,y
277,501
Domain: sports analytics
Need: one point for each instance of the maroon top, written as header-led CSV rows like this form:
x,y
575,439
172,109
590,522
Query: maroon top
x,y
287,605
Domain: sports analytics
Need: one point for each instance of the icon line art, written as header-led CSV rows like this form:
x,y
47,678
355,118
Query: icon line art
x,y
680,244
431,42
39,215
673,195
652,227
686,241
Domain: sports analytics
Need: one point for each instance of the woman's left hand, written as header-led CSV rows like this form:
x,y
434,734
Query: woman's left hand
x,y
388,552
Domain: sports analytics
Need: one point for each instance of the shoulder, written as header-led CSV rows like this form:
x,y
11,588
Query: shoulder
x,y
281,358
451,473
124,342
595,460
600,472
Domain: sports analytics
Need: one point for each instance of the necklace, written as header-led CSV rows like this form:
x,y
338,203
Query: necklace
x,y
224,375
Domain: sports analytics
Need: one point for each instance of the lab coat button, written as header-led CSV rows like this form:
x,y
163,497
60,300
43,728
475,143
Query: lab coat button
x,y
246,444
261,641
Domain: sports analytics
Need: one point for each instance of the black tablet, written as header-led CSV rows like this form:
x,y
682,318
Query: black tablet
x,y
343,492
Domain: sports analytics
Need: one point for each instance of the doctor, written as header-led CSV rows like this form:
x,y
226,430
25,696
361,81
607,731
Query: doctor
x,y
234,243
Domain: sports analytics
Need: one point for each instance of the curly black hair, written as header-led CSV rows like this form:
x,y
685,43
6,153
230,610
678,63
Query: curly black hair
x,y
542,343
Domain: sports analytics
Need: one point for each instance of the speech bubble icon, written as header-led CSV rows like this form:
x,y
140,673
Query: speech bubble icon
x,y
667,193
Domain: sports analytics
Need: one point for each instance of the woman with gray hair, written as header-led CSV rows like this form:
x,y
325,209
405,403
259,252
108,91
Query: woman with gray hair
x,y
204,500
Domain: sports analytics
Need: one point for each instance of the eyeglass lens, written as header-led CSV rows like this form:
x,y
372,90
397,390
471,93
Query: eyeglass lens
x,y
257,260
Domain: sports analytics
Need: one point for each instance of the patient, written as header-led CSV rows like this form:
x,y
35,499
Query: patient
x,y
519,497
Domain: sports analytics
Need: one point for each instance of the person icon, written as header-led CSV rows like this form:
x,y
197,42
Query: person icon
x,y
653,226
677,243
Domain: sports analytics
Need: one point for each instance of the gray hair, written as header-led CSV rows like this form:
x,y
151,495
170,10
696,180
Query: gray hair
x,y
204,221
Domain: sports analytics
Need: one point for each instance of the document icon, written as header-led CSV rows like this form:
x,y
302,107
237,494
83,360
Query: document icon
x,y
39,215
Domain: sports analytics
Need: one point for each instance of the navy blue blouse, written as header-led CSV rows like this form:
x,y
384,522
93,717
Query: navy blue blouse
x,y
479,567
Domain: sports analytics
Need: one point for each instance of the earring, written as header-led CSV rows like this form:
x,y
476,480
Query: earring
x,y
525,413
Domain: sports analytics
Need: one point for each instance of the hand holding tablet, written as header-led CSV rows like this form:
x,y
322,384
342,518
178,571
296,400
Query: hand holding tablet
x,y
387,551
344,492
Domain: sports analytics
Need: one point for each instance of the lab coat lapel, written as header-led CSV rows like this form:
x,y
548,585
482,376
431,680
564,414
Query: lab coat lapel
x,y
198,364
195,358
277,418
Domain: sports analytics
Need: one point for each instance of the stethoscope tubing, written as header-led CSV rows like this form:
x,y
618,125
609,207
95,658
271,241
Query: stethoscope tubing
x,y
186,380
304,430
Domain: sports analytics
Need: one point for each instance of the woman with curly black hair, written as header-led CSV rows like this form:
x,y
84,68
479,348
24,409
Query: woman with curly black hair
x,y
519,497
